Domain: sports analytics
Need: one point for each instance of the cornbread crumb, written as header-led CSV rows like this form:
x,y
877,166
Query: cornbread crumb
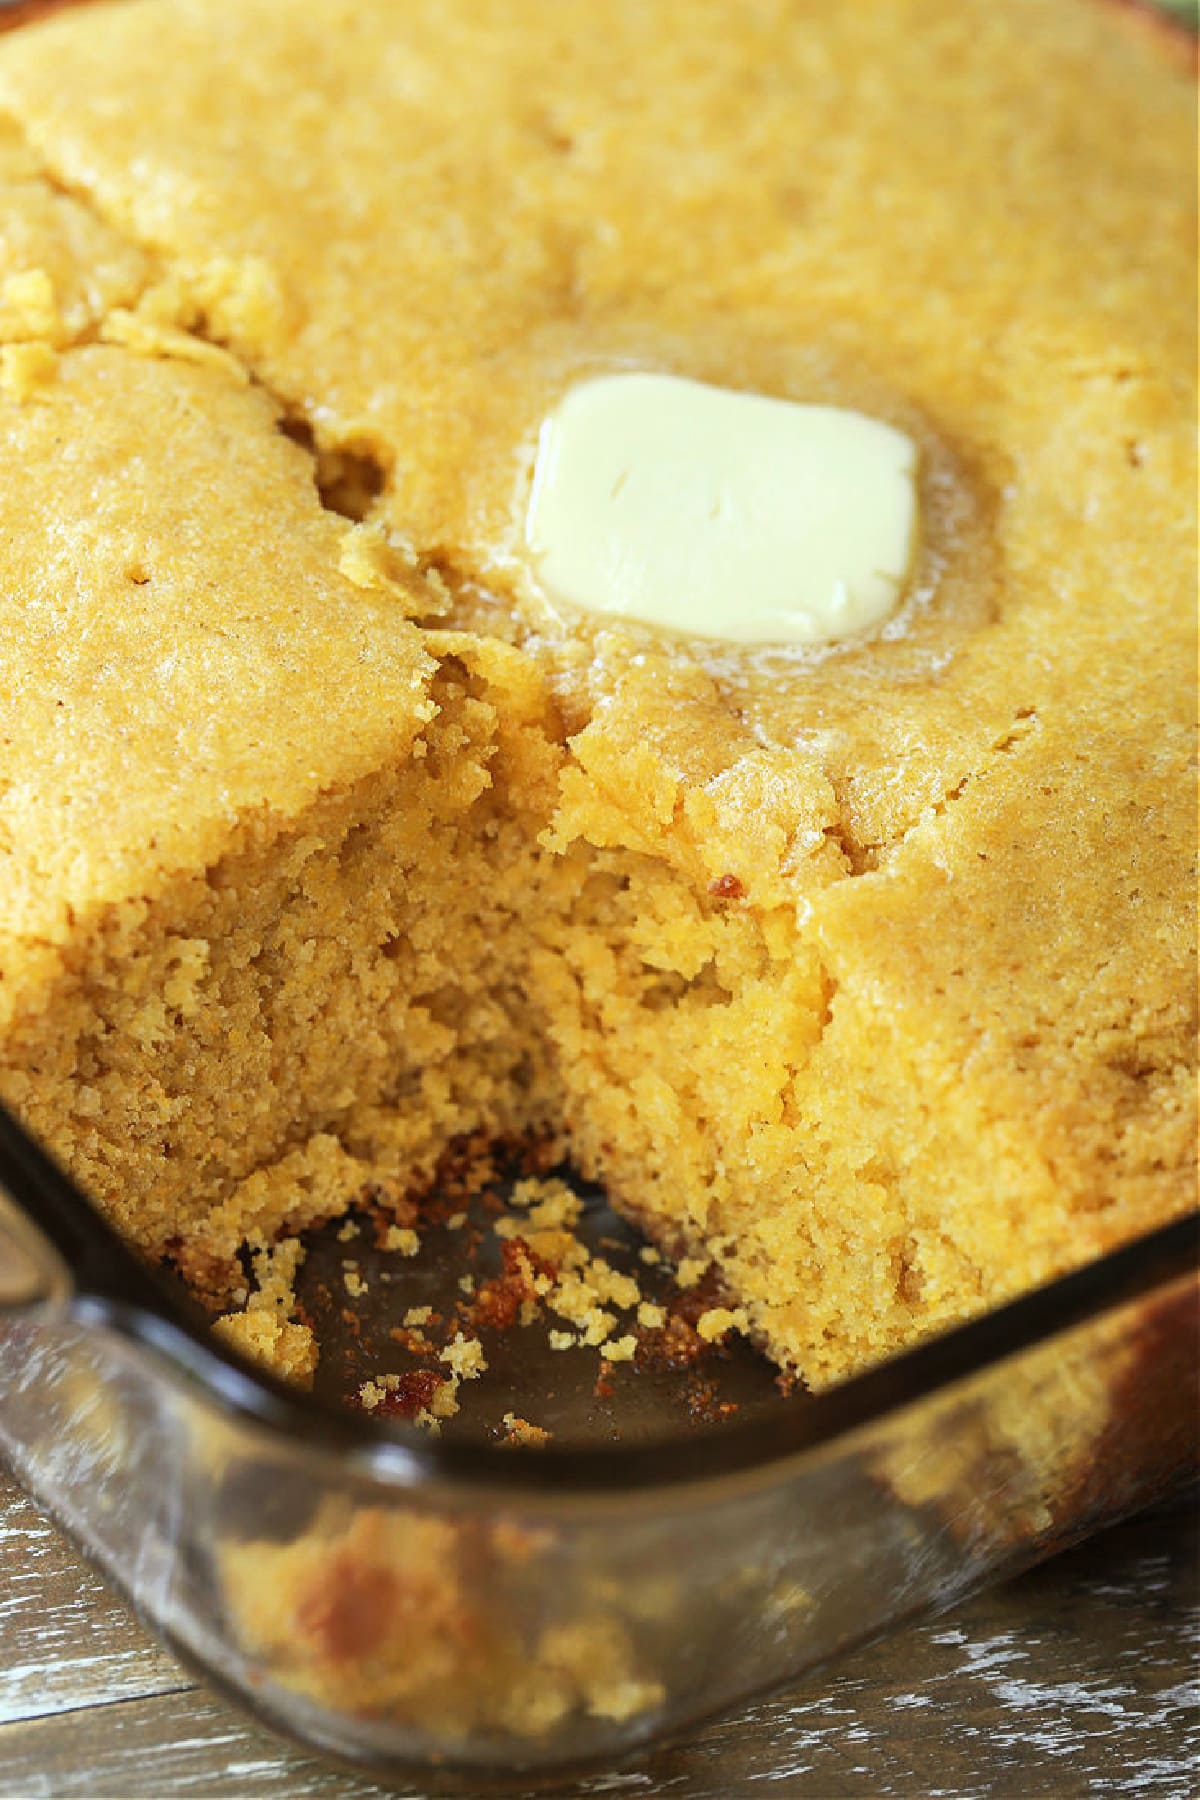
x,y
520,1432
285,1347
26,367
348,1231
719,1321
363,555
691,1270
418,1315
423,1398
465,1357
352,1281
402,1239
28,308
148,337
561,1340
651,1317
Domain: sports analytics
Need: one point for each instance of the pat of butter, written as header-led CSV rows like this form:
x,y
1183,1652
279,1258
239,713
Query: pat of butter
x,y
723,515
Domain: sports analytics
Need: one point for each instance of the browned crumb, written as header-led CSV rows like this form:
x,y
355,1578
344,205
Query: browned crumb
x,y
420,1396
519,1432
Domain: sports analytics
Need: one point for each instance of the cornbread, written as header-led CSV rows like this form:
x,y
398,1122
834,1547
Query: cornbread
x,y
863,973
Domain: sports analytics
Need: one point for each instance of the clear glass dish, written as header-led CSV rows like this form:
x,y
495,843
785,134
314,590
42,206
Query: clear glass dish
x,y
481,1615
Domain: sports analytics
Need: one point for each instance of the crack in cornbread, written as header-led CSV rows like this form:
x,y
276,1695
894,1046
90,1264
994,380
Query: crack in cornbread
x,y
866,974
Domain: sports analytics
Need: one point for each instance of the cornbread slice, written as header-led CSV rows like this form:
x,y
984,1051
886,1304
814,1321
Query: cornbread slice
x,y
867,974
230,993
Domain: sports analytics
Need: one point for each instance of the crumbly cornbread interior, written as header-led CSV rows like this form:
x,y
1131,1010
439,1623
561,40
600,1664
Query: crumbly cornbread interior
x,y
324,840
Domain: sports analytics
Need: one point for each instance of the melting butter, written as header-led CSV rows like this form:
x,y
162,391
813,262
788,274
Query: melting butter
x,y
723,515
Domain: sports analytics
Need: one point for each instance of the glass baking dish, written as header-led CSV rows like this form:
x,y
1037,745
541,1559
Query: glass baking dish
x,y
481,1615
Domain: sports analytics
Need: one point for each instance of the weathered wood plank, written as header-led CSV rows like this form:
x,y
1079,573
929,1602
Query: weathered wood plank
x,y
66,1640
1077,1679
177,1744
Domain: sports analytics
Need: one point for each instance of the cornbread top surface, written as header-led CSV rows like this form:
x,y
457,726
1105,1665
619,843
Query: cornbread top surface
x,y
420,224
170,669
417,226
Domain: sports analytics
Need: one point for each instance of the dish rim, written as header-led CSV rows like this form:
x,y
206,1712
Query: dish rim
x,y
97,1282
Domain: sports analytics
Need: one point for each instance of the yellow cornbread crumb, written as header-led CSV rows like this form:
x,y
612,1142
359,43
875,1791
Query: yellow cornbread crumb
x,y
149,337
265,1331
519,1431
402,1239
718,1321
281,1345
25,367
28,308
465,1357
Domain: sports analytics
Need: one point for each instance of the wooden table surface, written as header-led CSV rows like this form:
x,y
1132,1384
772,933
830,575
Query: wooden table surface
x,y
1078,1678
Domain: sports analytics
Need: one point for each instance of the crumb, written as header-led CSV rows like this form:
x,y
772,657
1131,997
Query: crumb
x,y
401,1238
421,1395
354,1284
456,1221
368,559
28,298
610,1285
466,1285
415,1342
620,1349
444,1404
512,1295
26,367
465,1357
521,1432
284,1346
348,1231
718,1321
650,1256
418,1315
597,1328
691,1270
705,1405
675,1346
562,1340
651,1317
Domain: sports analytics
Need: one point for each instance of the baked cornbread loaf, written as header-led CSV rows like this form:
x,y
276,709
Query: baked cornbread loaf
x,y
866,973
